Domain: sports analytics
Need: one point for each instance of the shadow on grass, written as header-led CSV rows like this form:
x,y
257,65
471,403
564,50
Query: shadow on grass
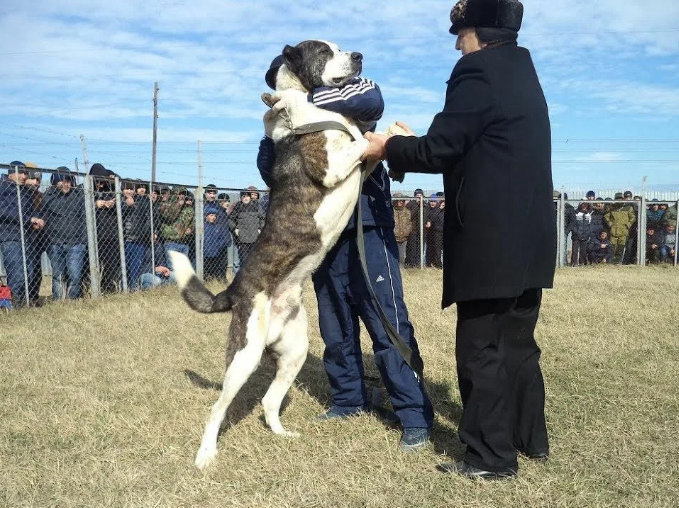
x,y
313,380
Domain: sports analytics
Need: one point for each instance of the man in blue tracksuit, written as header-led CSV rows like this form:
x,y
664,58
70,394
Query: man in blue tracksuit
x,y
341,290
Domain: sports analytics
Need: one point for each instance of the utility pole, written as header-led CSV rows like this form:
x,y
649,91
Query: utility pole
x,y
155,131
84,147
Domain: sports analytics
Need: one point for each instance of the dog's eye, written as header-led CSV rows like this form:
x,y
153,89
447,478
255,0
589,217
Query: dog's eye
x,y
326,51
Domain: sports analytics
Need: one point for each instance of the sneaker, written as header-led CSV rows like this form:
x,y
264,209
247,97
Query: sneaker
x,y
340,413
414,438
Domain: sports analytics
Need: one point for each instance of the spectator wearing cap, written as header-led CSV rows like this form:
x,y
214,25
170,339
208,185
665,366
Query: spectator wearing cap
x,y
221,202
245,222
654,215
402,225
590,196
434,233
17,210
64,213
413,246
216,243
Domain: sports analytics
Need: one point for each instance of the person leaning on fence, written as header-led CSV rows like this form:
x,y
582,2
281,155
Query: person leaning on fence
x,y
619,219
177,218
17,209
245,223
433,228
108,246
414,247
402,226
655,216
65,226
581,233
341,291
216,243
492,143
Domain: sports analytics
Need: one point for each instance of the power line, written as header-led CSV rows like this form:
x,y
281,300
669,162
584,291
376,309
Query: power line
x,y
343,38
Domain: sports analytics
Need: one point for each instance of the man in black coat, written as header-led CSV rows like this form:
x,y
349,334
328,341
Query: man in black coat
x,y
492,144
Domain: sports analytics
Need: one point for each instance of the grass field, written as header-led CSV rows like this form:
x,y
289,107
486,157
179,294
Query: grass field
x,y
102,403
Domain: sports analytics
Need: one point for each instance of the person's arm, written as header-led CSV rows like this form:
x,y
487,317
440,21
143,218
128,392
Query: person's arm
x,y
360,99
468,110
266,157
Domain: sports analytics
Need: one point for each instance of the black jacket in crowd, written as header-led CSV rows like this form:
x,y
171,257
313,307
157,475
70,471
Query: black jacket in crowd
x,y
137,220
64,216
492,143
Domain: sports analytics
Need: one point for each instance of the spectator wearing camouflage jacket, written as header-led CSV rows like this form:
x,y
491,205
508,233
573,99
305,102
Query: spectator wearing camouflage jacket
x,y
177,219
619,219
402,226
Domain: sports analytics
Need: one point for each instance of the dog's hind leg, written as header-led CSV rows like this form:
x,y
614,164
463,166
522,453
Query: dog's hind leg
x,y
291,349
238,370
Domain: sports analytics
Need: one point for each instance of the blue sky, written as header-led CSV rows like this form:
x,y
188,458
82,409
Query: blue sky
x,y
609,69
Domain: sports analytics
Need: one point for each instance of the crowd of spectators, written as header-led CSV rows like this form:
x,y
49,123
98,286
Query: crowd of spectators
x,y
156,219
153,220
603,232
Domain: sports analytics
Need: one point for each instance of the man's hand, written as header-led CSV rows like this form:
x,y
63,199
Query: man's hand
x,y
377,148
163,270
129,201
235,231
408,130
37,223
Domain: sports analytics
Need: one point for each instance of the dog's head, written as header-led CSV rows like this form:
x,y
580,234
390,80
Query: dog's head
x,y
318,63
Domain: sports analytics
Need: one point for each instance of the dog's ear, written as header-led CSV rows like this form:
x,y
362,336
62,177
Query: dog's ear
x,y
292,57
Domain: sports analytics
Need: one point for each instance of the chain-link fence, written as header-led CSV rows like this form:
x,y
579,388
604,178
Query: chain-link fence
x,y
616,231
65,235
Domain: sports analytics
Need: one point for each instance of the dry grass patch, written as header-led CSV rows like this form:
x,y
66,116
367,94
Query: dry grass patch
x,y
103,404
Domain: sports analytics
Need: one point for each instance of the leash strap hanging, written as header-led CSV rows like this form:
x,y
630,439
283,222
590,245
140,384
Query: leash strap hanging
x,y
401,345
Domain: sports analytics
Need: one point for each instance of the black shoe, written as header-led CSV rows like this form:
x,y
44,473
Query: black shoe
x,y
464,469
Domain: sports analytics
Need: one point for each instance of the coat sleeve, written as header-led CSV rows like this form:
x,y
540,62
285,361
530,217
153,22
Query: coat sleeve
x,y
360,99
469,109
266,157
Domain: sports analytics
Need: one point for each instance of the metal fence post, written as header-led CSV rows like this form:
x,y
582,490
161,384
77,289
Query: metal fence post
x,y
92,249
121,239
153,229
561,233
421,232
200,231
641,232
676,238
23,236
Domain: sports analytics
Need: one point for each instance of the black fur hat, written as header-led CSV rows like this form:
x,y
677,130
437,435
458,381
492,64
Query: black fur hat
x,y
506,14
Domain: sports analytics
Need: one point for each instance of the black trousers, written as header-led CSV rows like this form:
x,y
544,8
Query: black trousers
x,y
501,385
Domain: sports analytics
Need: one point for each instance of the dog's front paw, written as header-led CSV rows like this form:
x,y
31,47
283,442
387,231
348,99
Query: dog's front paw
x,y
269,99
205,457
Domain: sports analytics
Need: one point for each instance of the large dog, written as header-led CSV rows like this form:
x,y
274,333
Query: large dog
x,y
315,188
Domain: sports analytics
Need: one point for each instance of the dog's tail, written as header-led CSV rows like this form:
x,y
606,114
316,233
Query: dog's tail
x,y
192,289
